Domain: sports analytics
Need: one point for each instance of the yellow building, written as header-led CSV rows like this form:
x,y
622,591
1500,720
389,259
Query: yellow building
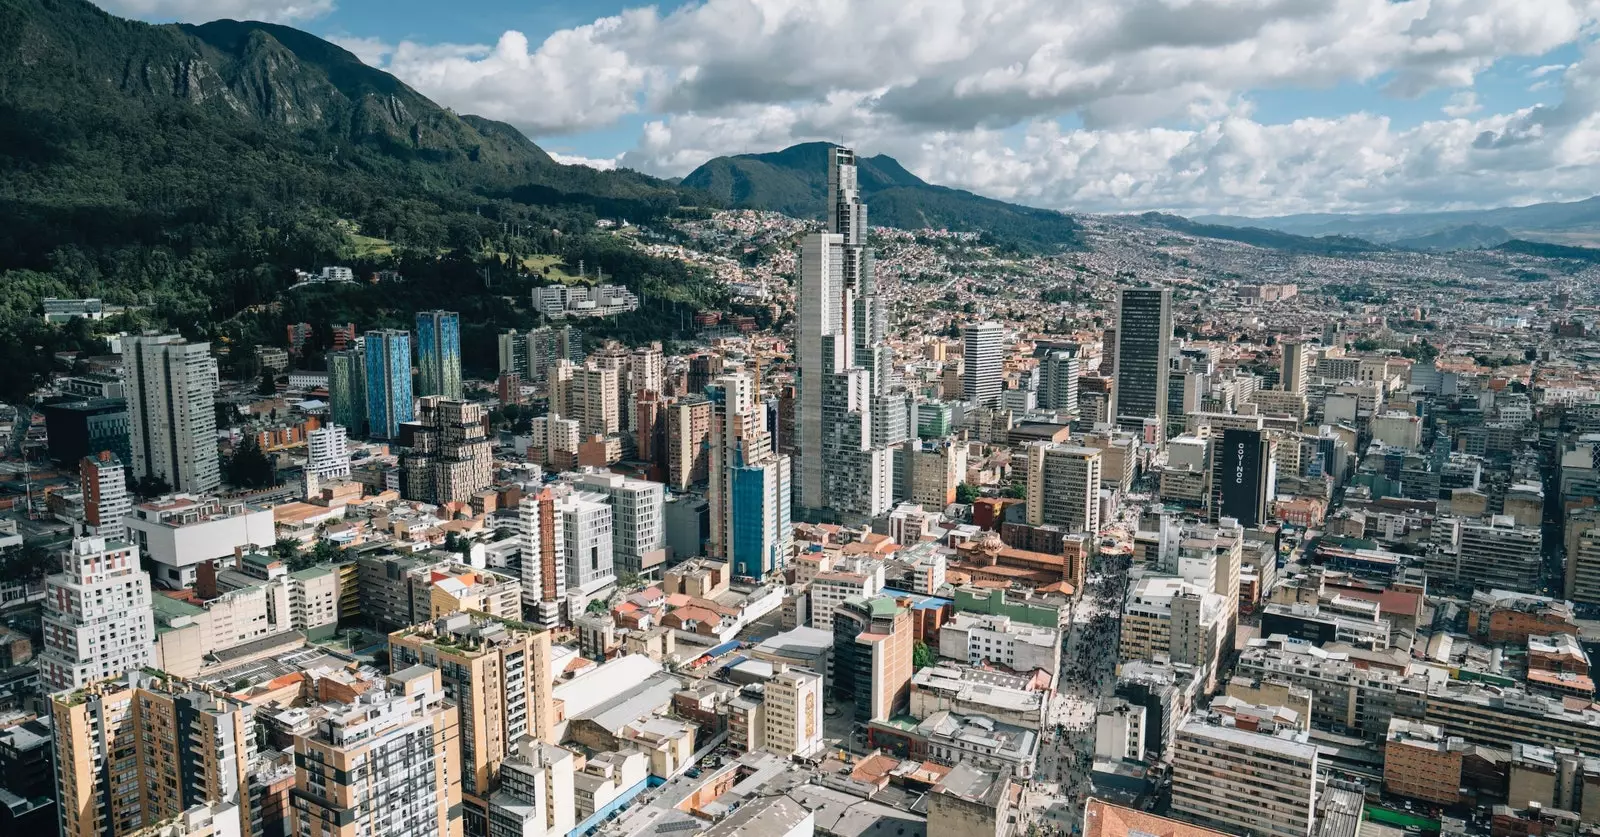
x,y
499,675
136,752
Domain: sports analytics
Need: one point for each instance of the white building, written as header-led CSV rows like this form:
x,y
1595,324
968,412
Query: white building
x,y
328,453
535,798
637,518
587,531
984,638
982,345
1397,429
178,532
831,589
97,618
172,419
543,561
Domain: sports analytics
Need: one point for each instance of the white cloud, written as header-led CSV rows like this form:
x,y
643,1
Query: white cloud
x,y
601,163
1546,69
200,11
964,64
1462,104
374,52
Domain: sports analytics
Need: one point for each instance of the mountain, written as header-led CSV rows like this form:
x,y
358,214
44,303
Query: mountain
x,y
1575,222
1256,236
1464,237
188,169
794,181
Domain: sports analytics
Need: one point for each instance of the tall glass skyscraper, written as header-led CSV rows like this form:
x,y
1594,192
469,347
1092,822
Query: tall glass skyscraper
x,y
439,354
389,402
347,390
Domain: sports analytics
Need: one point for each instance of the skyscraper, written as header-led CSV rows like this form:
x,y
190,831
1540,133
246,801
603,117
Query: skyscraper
x,y
97,617
1058,380
1296,363
1242,477
347,390
595,403
844,363
1139,366
328,453
439,354
544,567
446,455
1064,487
172,392
104,482
388,386
382,764
981,352
749,491
587,547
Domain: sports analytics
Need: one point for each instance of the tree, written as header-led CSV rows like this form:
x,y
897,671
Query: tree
x,y
326,552
921,656
286,550
28,564
268,385
966,494
1016,491
596,606
249,467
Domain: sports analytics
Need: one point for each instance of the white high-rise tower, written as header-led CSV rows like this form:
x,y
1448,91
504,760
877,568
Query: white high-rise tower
x,y
97,618
845,467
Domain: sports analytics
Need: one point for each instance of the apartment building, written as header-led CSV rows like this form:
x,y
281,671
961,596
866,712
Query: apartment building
x,y
383,764
499,677
97,617
1176,619
134,752
793,705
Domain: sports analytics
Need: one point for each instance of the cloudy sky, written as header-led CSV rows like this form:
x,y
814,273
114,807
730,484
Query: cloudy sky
x,y
1253,107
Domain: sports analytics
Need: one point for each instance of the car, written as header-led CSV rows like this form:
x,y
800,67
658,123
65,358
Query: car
x,y
693,772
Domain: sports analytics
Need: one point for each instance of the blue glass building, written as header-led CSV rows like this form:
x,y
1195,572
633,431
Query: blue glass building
x,y
389,401
439,354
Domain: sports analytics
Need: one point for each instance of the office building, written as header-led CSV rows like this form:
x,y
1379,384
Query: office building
x,y
1058,380
1491,553
1421,762
500,678
1244,781
388,383
531,353
328,453
928,471
1064,487
97,617
177,533
1176,619
638,520
749,490
1243,477
347,390
587,546
106,502
1140,358
134,752
543,561
446,455
1297,367
981,639
983,363
872,644
439,354
172,393
382,764
81,427
843,360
